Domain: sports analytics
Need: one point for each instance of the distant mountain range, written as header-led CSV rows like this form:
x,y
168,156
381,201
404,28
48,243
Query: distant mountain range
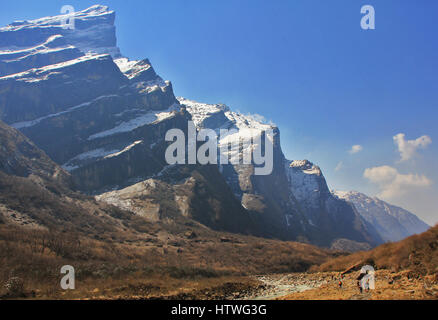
x,y
393,223
103,118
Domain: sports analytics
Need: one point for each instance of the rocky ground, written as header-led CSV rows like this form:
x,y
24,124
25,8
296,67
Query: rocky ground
x,y
278,285
263,287
293,286
389,286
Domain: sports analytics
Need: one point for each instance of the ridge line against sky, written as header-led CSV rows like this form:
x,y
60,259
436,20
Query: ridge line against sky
x,y
339,94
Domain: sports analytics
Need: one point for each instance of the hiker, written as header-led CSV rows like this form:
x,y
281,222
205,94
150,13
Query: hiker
x,y
341,280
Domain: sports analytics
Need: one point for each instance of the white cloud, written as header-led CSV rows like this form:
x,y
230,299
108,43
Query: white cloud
x,y
393,184
408,148
355,149
339,166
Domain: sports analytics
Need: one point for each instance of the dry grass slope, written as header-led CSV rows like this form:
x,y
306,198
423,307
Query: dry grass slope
x,y
418,253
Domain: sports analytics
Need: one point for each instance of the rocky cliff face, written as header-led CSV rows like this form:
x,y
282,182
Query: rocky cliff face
x,y
87,111
334,218
104,117
293,201
392,223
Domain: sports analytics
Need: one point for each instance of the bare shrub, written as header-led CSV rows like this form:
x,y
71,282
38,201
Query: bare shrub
x,y
14,287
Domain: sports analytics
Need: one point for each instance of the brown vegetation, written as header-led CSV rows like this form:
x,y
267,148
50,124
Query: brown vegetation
x,y
166,258
418,253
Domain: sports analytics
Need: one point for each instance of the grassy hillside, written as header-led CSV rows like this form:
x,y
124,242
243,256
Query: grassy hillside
x,y
418,253
170,259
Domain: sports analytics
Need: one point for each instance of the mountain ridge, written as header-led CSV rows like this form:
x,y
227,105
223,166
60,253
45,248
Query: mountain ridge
x,y
392,222
103,117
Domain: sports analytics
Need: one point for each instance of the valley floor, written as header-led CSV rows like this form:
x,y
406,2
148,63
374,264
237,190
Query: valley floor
x,y
172,261
291,286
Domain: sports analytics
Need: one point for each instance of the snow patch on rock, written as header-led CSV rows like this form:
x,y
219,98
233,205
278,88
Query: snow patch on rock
x,y
142,120
26,124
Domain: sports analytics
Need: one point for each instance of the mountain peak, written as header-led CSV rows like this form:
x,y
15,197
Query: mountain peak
x,y
93,31
55,21
306,166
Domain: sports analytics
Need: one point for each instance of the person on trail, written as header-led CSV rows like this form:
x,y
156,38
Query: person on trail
x,y
341,280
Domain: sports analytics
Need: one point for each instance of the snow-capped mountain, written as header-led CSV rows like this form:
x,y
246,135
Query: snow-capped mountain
x,y
94,32
295,197
103,117
393,223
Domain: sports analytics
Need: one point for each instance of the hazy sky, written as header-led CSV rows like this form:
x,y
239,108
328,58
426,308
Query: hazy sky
x,y
339,94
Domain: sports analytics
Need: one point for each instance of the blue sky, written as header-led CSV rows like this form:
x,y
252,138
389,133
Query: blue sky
x,y
308,67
